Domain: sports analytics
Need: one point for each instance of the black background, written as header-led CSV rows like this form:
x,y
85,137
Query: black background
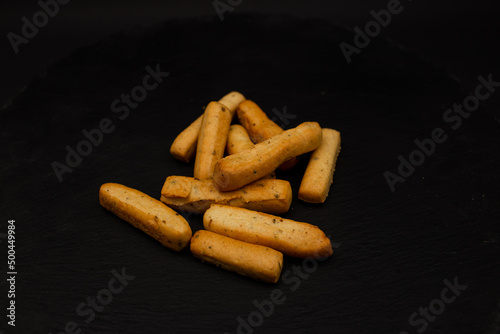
x,y
459,36
394,250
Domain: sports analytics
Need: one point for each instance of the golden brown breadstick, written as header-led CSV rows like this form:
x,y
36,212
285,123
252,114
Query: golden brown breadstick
x,y
146,214
293,238
237,170
319,172
238,140
212,139
260,127
189,194
256,122
232,101
258,262
184,146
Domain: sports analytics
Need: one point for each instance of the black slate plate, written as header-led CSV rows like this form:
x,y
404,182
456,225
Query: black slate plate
x,y
394,251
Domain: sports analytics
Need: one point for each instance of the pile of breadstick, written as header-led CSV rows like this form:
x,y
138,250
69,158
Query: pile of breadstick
x,y
234,186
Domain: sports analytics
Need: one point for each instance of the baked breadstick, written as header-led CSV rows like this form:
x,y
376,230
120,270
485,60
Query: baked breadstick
x,y
258,262
212,139
319,172
184,146
146,214
232,101
256,122
192,195
237,170
238,140
260,127
290,237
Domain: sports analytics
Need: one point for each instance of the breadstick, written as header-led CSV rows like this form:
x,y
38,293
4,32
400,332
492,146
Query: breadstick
x,y
232,101
290,237
237,170
256,122
184,146
212,139
192,195
258,262
319,172
260,127
238,140
146,214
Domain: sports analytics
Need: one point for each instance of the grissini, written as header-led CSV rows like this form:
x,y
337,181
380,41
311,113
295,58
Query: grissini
x,y
184,146
212,139
192,195
260,127
258,262
147,214
318,176
238,140
256,122
290,237
232,101
237,170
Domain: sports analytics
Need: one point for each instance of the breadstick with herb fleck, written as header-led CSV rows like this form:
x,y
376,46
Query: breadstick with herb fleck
x,y
257,262
192,195
184,146
212,139
290,237
237,170
232,101
318,176
260,127
147,214
238,140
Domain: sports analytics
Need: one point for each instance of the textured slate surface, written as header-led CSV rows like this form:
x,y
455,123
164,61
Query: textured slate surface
x,y
393,249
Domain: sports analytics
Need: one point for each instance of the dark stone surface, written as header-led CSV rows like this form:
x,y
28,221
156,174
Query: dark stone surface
x,y
393,249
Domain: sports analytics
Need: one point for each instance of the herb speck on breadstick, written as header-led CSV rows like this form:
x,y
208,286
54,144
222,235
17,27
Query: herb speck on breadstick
x,y
237,170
